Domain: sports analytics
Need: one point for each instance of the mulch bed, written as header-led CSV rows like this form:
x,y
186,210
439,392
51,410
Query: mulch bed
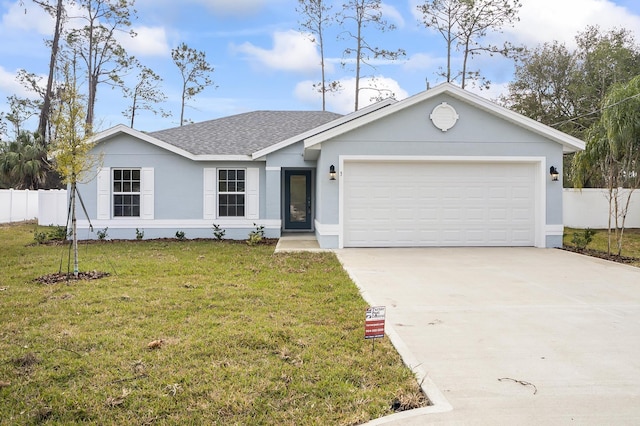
x,y
265,241
63,276
602,255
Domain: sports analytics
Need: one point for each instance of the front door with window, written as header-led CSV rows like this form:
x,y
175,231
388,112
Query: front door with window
x,y
297,199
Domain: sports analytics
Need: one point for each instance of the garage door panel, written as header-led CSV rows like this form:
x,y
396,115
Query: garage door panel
x,y
523,215
438,204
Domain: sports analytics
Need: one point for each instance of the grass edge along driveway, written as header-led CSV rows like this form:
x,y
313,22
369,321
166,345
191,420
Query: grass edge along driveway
x,y
192,332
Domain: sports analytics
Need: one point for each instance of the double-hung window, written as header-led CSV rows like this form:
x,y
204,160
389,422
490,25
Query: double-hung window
x,y
126,192
231,192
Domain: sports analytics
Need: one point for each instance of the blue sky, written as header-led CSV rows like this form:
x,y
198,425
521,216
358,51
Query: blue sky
x,y
262,60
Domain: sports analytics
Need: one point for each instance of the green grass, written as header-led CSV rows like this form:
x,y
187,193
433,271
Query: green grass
x,y
249,337
630,242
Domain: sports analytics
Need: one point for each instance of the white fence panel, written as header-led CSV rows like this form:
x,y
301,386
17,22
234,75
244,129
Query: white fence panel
x,y
52,208
589,208
18,205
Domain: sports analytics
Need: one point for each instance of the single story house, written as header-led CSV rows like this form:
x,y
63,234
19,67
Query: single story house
x,y
444,167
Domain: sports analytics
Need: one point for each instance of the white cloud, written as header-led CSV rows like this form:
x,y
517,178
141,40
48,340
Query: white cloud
x,y
392,15
493,93
28,17
343,101
9,85
150,41
423,61
292,51
545,20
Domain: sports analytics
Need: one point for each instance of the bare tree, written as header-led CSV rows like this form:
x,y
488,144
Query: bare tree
x,y
20,110
362,14
465,23
443,16
58,12
479,18
194,70
317,15
145,95
97,46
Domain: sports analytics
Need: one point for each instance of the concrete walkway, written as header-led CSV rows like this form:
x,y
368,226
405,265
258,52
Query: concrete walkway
x,y
293,242
503,336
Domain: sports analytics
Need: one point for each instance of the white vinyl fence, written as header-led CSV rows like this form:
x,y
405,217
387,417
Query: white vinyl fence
x,y
587,208
17,205
48,206
52,207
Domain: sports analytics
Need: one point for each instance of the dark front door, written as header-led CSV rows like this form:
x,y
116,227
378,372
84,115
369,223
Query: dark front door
x,y
297,199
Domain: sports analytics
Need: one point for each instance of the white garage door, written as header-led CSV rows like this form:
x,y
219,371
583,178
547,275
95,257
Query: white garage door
x,y
395,204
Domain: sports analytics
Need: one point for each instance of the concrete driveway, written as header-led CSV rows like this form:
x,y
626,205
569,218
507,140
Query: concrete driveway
x,y
505,336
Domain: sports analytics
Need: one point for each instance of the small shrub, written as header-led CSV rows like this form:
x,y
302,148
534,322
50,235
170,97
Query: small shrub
x,y
180,235
102,234
581,239
256,236
218,232
139,234
39,236
58,233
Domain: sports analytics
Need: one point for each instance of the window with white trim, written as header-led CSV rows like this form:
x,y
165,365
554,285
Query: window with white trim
x,y
126,192
231,192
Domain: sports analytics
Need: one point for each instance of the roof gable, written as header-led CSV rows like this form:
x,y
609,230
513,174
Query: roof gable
x,y
122,129
317,130
569,143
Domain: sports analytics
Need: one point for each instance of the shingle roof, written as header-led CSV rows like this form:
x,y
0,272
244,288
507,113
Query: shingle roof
x,y
243,134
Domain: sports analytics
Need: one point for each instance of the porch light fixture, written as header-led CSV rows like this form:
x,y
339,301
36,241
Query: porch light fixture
x,y
554,173
332,172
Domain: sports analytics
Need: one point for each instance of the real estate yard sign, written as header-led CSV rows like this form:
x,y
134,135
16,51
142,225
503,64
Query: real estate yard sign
x,y
374,322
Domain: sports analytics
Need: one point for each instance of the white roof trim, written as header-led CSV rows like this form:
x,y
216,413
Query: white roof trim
x,y
569,143
332,124
121,128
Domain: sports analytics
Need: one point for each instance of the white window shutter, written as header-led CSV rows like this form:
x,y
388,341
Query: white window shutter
x,y
209,202
146,193
252,201
103,208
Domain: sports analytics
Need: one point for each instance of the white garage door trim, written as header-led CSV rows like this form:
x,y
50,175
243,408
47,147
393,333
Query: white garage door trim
x,y
539,184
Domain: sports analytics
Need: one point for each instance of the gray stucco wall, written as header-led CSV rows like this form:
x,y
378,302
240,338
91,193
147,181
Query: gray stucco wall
x,y
178,190
410,132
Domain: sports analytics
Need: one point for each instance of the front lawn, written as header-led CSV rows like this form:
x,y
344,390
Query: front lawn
x,y
598,246
192,332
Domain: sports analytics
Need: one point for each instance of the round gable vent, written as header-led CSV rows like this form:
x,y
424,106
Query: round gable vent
x,y
444,116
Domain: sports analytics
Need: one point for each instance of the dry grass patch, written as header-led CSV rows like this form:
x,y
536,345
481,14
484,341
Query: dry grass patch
x,y
192,332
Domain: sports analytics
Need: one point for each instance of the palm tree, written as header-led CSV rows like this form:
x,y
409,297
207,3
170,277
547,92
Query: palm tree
x,y
23,162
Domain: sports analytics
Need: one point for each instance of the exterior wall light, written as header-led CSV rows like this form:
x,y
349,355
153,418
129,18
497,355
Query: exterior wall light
x,y
554,173
332,172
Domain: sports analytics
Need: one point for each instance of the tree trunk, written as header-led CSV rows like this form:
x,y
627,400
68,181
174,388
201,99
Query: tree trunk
x,y
324,86
464,63
449,42
74,228
91,77
91,101
133,108
358,53
46,104
184,89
